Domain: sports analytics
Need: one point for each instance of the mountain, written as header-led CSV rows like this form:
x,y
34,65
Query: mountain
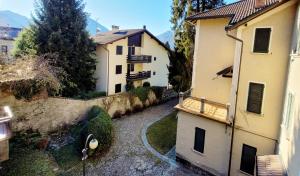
x,y
12,19
167,36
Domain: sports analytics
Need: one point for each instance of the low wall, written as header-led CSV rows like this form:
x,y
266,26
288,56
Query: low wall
x,y
49,114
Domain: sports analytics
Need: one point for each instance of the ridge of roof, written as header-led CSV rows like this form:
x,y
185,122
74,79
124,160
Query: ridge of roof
x,y
238,11
112,36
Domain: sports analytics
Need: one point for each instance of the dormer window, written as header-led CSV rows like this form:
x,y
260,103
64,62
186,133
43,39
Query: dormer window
x,y
262,40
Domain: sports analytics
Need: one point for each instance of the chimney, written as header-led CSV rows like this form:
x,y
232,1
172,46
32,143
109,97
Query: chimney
x,y
260,3
144,27
115,28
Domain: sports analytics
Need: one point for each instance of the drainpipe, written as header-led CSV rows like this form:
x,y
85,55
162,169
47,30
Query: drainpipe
x,y
236,98
107,82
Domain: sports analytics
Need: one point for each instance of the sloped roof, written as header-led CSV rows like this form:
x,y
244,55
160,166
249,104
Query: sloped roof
x,y
238,11
9,33
115,35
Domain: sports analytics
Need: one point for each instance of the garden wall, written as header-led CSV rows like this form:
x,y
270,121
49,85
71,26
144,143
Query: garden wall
x,y
50,114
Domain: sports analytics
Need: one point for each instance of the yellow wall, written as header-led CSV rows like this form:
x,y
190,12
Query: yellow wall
x,y
269,69
216,146
214,51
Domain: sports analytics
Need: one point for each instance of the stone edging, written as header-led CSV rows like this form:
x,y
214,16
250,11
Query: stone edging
x,y
151,149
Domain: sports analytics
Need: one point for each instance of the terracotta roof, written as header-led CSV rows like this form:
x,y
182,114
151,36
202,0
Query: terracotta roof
x,y
238,11
270,165
115,35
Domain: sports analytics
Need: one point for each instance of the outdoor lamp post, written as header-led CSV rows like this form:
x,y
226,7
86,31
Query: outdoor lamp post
x,y
93,144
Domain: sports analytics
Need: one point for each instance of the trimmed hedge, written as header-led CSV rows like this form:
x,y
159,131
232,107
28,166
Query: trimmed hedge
x,y
158,91
141,92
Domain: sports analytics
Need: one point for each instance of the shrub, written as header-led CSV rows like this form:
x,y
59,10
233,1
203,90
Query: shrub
x,y
90,95
129,86
141,92
94,112
146,84
158,91
117,114
101,127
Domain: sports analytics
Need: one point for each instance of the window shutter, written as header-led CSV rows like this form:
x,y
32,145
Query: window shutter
x,y
248,159
255,98
199,140
262,40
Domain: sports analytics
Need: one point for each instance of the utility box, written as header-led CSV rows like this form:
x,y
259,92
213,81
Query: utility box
x,y
5,132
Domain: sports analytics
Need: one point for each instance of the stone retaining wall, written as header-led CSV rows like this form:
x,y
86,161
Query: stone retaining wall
x,y
50,114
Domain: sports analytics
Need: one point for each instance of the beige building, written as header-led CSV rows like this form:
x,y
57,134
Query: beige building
x,y
234,111
7,38
287,160
132,56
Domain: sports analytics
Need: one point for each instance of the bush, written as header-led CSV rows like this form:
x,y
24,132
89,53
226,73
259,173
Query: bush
x,y
94,112
90,95
141,92
137,108
101,127
158,91
146,84
129,86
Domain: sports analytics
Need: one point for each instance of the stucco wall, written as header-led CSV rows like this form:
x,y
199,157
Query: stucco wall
x,y
214,52
289,146
216,146
48,114
10,45
262,130
101,73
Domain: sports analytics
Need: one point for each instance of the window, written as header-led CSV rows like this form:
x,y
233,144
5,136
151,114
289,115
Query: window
x,y
131,50
119,50
289,113
118,88
255,98
118,69
132,67
154,58
262,40
199,140
4,49
248,159
154,73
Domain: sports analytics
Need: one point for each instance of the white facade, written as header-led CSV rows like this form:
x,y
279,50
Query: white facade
x,y
108,60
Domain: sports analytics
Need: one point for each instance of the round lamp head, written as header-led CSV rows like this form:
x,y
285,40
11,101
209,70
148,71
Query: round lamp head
x,y
93,144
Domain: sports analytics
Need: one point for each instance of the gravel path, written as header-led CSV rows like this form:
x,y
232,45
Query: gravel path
x,y
128,156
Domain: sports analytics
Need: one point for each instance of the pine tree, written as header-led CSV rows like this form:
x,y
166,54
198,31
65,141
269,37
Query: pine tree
x,y
61,29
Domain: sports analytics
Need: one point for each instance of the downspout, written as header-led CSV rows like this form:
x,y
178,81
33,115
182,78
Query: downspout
x,y
107,82
236,98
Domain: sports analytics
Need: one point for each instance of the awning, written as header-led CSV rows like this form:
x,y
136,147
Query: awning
x,y
270,165
227,72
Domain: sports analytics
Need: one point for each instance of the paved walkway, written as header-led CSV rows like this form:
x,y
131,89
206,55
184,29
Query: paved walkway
x,y
128,156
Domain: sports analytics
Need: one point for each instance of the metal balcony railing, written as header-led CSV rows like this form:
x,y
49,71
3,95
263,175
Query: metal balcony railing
x,y
139,75
139,59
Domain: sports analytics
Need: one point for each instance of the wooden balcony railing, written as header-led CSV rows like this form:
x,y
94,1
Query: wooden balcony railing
x,y
139,59
139,76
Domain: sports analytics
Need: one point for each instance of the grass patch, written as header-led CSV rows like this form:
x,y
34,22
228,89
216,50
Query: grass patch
x,y
162,134
29,162
66,157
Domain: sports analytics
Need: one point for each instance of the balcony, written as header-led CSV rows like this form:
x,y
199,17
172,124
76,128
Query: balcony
x,y
139,59
138,76
204,108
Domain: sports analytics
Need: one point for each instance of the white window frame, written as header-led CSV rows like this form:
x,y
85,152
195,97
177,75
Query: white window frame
x,y
289,113
270,42
263,98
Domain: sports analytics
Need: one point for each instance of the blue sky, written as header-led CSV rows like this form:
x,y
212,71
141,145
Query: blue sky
x,y
155,14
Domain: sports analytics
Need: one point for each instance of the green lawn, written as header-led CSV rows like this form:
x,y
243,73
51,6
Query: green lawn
x,y
162,134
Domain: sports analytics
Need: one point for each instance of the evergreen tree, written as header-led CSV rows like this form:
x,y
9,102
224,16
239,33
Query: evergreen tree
x,y
61,29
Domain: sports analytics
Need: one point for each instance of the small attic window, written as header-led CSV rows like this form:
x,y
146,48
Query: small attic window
x,y
121,32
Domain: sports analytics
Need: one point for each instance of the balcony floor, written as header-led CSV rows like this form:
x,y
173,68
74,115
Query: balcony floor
x,y
212,111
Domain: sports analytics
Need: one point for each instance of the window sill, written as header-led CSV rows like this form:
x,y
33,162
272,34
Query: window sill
x,y
254,53
245,173
199,153
253,113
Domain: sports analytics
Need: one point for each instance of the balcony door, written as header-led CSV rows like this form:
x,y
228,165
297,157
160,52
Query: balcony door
x,y
131,51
